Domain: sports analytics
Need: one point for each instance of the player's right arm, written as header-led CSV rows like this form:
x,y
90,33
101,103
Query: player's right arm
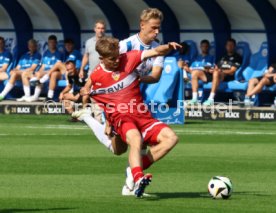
x,y
154,77
160,50
65,90
5,65
86,89
83,64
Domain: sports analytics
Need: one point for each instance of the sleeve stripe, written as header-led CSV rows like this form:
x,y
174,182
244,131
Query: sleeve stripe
x,y
129,46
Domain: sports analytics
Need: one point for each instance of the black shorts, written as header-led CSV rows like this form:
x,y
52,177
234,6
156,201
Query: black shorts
x,y
228,78
271,80
209,76
79,100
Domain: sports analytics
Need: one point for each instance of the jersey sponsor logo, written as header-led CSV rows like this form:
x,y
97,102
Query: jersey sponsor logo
x,y
116,76
112,89
117,86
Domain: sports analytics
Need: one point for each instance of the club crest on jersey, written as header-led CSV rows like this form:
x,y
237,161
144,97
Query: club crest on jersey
x,y
116,76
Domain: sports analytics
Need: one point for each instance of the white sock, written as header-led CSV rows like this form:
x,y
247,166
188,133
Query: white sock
x,y
33,79
27,90
185,76
37,92
194,96
44,79
7,89
50,93
212,96
98,130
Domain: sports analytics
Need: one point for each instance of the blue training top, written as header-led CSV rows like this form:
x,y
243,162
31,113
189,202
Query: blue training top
x,y
5,58
76,57
27,60
202,61
49,59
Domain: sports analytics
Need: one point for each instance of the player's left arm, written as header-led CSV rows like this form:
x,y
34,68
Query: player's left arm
x,y
31,69
234,67
230,71
160,50
4,68
154,77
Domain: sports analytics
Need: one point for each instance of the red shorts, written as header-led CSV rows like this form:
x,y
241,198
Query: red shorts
x,y
145,123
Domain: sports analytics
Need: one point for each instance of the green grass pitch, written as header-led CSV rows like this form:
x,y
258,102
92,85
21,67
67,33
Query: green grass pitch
x,y
50,165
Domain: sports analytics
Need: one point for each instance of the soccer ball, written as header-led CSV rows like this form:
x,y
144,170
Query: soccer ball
x,y
220,187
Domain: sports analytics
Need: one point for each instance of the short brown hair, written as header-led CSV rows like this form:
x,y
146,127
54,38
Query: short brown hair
x,y
2,39
100,21
106,46
151,13
32,41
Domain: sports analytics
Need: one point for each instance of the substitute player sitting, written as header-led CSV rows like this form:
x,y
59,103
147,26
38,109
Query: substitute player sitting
x,y
58,71
24,71
114,83
74,83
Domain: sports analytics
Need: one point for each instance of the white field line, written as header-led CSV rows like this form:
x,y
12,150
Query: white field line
x,y
178,131
222,132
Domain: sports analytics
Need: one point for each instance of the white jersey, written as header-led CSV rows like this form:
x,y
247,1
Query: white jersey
x,y
135,43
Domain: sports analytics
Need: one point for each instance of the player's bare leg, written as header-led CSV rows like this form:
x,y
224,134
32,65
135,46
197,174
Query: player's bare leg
x,y
258,88
196,76
38,88
52,85
15,75
166,139
134,140
26,76
3,76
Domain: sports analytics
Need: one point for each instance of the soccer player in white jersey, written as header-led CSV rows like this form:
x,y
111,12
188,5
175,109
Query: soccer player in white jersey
x,y
150,22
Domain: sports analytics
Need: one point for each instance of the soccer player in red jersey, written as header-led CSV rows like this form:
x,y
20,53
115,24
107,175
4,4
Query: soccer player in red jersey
x,y
115,87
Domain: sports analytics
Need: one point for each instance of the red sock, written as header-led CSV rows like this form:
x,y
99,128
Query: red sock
x,y
146,162
137,173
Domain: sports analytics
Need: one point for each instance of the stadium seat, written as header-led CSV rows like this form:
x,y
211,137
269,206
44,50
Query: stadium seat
x,y
193,49
256,67
212,50
162,92
244,50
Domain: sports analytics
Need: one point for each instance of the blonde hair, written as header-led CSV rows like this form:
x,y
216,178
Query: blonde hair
x,y
106,46
100,21
151,13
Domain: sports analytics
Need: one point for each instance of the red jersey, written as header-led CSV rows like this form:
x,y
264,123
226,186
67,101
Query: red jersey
x,y
114,90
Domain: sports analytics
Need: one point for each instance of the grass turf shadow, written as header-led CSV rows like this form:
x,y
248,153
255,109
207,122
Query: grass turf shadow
x,y
176,195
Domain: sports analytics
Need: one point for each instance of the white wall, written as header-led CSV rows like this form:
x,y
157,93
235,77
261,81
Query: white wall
x,y
132,10
42,18
189,14
243,16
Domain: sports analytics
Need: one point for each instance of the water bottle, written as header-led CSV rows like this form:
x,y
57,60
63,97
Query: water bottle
x,y
274,105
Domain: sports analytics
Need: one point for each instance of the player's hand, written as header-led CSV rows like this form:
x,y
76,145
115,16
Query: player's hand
x,y
174,45
181,63
274,79
61,96
108,130
81,74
